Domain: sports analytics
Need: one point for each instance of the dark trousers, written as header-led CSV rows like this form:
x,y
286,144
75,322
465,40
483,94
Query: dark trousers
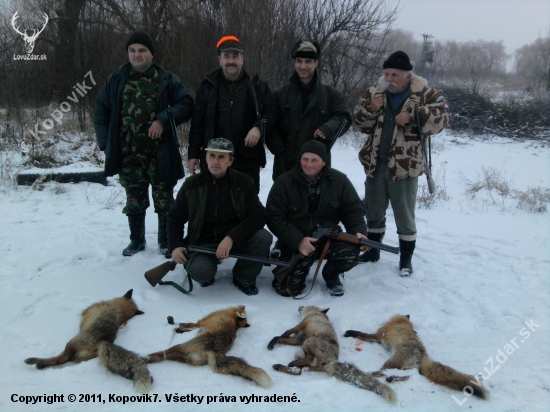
x,y
202,267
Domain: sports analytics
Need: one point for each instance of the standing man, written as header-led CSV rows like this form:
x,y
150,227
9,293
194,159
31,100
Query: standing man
x,y
229,104
309,195
307,109
392,156
223,212
132,127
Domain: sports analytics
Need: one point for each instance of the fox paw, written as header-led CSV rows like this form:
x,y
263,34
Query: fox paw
x,y
351,333
30,361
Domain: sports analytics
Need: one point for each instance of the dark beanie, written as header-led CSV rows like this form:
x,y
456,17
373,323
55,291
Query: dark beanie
x,y
141,37
316,147
398,60
306,50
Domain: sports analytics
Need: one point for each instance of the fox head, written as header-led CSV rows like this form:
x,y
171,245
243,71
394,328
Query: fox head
x,y
126,307
308,310
240,313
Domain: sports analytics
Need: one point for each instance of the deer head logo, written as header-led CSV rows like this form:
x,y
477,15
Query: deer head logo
x,y
29,40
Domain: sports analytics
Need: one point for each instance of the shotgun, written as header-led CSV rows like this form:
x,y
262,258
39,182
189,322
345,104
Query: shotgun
x,y
282,272
431,183
155,275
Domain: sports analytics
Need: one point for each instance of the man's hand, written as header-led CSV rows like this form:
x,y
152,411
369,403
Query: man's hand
x,y
376,102
178,256
224,248
362,248
156,129
192,164
305,247
253,137
318,134
403,118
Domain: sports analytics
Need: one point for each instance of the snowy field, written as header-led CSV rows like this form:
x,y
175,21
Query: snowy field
x,y
480,282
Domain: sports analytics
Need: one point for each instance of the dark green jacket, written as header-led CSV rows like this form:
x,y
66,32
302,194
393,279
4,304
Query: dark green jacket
x,y
287,206
107,121
326,111
188,207
204,119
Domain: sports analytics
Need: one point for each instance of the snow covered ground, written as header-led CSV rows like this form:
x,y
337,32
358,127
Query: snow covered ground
x,y
481,281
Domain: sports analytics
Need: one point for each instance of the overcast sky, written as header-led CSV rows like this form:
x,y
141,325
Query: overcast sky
x,y
516,22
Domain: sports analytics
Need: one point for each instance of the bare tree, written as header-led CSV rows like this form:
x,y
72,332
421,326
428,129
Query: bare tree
x,y
533,64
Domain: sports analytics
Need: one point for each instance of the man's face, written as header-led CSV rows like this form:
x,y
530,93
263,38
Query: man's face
x,y
312,165
218,163
231,63
140,57
397,82
305,68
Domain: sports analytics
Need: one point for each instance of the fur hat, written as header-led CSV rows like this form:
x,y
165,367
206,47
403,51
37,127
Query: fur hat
x,y
306,50
398,60
141,37
316,147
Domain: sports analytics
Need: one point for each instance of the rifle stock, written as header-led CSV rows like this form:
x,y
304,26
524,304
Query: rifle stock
x,y
155,275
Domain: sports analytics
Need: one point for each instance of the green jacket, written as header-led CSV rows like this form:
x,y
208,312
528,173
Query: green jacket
x,y
107,121
188,207
326,111
287,206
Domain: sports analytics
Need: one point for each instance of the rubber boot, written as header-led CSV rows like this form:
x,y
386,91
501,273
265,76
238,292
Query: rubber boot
x,y
334,285
137,234
406,249
373,255
162,237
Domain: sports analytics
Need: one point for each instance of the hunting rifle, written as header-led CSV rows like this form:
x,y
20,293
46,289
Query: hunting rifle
x,y
338,133
154,276
431,183
282,272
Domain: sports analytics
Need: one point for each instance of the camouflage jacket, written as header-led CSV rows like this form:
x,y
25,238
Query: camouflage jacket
x,y
406,158
107,121
139,110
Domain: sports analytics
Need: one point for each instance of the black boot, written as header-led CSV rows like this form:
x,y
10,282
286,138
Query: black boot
x,y
334,285
373,255
137,234
406,249
162,237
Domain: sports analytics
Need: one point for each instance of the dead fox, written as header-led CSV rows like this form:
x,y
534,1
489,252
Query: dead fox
x,y
319,343
398,337
218,333
98,328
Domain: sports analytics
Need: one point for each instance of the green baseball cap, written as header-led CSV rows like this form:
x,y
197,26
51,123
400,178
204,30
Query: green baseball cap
x,y
220,144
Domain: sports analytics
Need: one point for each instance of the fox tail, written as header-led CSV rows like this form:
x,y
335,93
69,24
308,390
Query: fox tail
x,y
447,376
231,365
127,364
348,372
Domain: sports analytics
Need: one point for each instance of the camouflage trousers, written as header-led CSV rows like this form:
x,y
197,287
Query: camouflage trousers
x,y
136,174
341,257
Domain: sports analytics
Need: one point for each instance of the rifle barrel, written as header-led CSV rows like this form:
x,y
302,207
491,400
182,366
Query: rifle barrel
x,y
378,245
201,249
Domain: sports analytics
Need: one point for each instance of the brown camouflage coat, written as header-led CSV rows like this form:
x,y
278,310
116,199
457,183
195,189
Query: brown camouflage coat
x,y
406,158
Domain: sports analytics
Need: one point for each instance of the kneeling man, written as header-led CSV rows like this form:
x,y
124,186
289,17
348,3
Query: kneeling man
x,y
306,196
224,213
